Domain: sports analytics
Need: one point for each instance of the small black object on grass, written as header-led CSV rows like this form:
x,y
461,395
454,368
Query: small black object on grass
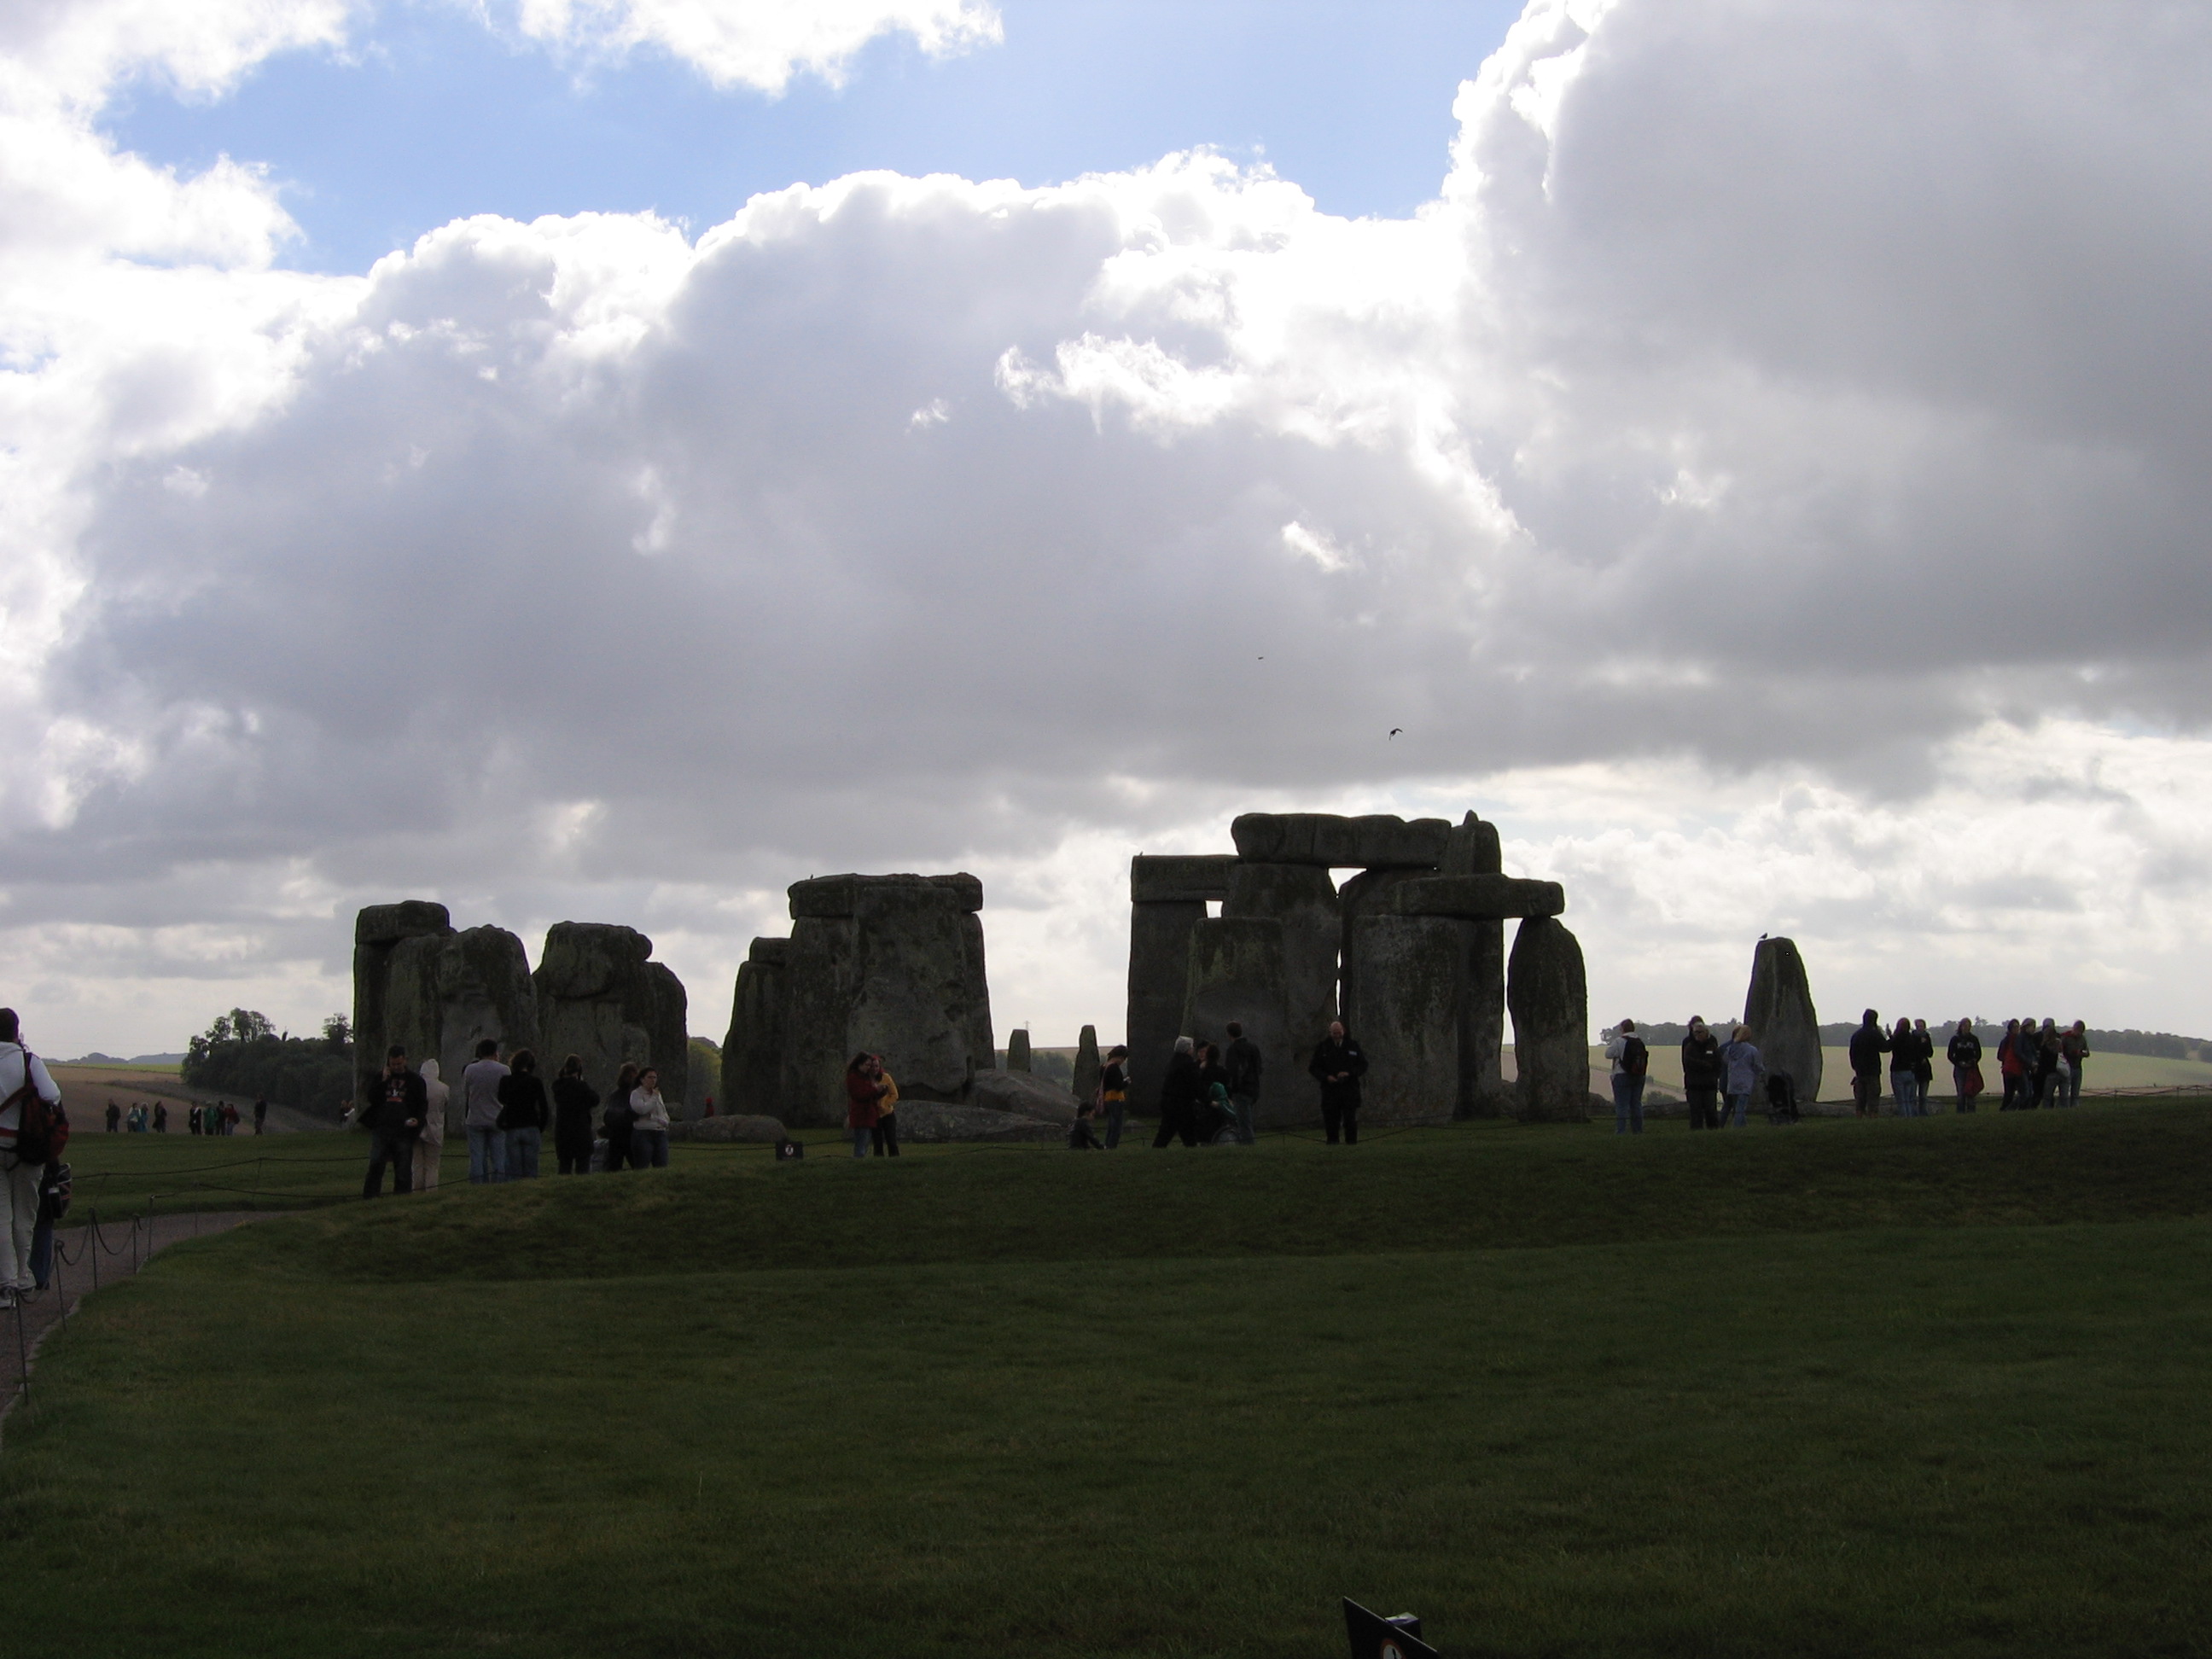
x,y
1374,1637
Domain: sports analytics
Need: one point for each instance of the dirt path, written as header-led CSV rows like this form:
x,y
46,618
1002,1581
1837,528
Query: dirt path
x,y
120,1249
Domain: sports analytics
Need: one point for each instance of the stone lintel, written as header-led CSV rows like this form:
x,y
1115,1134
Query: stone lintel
x,y
769,950
387,924
1180,878
1475,898
1376,842
836,896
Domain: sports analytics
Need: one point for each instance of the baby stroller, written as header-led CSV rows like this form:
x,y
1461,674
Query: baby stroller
x,y
1781,1098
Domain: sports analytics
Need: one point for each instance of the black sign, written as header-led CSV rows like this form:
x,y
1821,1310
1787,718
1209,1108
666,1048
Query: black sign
x,y
1374,1637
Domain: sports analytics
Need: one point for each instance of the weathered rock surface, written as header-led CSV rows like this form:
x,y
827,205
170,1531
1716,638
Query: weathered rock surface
x,y
1159,984
1302,898
443,993
743,1128
1366,894
378,930
1475,898
1238,972
1022,1092
1548,995
1086,1082
1157,879
600,998
1473,849
752,1054
900,973
1408,980
1355,843
930,1122
1778,1008
1018,1049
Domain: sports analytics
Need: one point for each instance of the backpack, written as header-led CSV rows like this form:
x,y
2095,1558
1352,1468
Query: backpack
x,y
1635,1058
44,1128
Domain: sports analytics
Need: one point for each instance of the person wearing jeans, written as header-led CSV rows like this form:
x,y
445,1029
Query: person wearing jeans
x,y
2073,1048
649,1138
480,1081
1631,1059
523,1116
394,1119
1904,1077
864,1088
1740,1065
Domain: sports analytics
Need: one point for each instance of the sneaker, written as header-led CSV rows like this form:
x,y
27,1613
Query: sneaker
x,y
7,1296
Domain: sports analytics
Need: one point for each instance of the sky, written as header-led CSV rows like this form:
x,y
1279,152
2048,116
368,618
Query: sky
x,y
607,460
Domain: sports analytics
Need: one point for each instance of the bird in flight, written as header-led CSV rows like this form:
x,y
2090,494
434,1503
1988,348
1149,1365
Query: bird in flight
x,y
1395,731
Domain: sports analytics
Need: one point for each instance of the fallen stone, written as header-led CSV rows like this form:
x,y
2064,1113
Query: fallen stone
x,y
930,1122
1020,1092
1475,898
1376,842
747,1127
1779,1009
1155,879
1548,996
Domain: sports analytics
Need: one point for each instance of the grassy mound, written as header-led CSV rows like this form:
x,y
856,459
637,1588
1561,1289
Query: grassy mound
x,y
1812,1392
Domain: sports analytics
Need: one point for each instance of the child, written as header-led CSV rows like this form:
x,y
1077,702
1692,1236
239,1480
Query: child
x,y
1079,1138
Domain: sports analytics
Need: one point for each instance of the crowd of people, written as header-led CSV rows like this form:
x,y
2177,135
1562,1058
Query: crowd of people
x,y
221,1119
2038,1065
506,1110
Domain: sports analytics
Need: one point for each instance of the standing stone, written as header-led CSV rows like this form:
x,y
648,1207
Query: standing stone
x,y
752,1054
1302,898
1365,895
444,994
601,999
893,965
1341,844
1408,974
1473,849
1779,1009
378,932
1549,998
1236,972
1159,984
1018,1049
1085,1084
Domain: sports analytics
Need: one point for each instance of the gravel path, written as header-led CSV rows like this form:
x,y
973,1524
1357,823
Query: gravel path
x,y
122,1247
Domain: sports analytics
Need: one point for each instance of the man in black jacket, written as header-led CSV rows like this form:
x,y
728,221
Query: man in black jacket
x,y
1868,1044
1243,1065
1702,1074
393,1117
1338,1066
1181,1091
1964,1053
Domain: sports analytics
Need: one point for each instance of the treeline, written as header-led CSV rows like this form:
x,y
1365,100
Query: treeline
x,y
1836,1034
243,1054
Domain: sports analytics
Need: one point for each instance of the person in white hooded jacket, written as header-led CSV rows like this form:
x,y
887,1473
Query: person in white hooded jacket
x,y
431,1141
21,1073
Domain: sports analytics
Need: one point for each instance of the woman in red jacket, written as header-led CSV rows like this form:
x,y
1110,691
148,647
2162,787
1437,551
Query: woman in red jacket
x,y
864,1088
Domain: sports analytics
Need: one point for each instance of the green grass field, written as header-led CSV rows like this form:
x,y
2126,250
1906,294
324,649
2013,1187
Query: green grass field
x,y
1849,1389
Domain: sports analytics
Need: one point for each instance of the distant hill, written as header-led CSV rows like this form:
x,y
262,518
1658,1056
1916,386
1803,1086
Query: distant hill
x,y
96,1058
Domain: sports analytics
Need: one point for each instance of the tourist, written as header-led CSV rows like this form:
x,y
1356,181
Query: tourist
x,y
393,1117
1180,1091
192,1121
430,1144
261,1116
115,1116
1965,1054
862,1091
2073,1048
1631,1061
1904,1077
1741,1065
2047,1061
1079,1138
648,1134
1214,1112
523,1116
23,1076
882,1139
618,1120
1869,1045
574,1102
2012,1066
1923,1065
160,1117
1114,1093
1338,1065
1702,1074
480,1081
1243,1067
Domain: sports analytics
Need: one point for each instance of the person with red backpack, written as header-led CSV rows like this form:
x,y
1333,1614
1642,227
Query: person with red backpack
x,y
34,1129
